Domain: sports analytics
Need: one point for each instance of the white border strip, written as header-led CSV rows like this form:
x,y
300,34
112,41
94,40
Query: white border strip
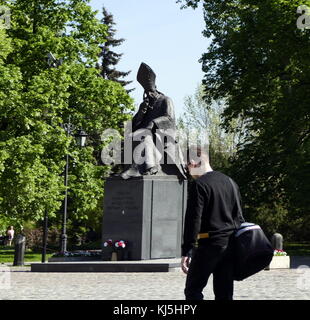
x,y
239,232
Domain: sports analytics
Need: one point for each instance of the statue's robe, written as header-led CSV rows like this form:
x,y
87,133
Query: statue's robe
x,y
157,129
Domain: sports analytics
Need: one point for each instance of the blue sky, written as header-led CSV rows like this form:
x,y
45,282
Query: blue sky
x,y
165,37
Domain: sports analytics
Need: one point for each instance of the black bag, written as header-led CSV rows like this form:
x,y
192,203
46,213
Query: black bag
x,y
253,252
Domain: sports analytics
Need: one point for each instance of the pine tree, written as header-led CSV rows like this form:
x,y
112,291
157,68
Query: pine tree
x,y
110,58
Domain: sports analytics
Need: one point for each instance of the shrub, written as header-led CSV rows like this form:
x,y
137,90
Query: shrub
x,y
34,238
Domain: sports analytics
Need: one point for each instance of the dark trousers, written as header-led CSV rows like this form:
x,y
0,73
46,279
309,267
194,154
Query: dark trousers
x,y
211,258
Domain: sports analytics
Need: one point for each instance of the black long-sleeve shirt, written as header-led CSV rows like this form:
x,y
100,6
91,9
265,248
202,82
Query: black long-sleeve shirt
x,y
211,208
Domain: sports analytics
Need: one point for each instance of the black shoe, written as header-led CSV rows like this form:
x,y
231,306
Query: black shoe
x,y
151,171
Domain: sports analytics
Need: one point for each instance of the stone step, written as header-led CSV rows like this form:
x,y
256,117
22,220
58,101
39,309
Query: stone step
x,y
160,265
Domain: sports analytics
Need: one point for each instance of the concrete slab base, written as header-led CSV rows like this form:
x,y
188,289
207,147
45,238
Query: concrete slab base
x,y
160,265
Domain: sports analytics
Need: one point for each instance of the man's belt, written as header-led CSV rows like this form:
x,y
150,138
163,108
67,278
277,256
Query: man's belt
x,y
202,236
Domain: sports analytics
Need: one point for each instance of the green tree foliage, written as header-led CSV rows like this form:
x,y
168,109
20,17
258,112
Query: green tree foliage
x,y
203,121
259,61
110,58
36,100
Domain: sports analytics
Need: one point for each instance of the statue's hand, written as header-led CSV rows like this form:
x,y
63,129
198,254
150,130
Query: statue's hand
x,y
150,125
143,107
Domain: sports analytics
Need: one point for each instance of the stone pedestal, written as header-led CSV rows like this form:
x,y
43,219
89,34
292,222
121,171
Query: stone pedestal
x,y
148,212
280,262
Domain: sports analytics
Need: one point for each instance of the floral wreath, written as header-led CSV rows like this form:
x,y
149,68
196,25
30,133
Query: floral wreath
x,y
278,252
118,244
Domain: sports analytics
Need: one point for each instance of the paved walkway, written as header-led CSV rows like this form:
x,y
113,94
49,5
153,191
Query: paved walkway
x,y
280,284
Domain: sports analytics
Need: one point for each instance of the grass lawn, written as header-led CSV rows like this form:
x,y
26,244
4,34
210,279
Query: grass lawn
x,y
297,249
7,255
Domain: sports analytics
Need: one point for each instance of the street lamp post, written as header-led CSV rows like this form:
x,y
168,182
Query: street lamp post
x,y
81,140
52,63
45,231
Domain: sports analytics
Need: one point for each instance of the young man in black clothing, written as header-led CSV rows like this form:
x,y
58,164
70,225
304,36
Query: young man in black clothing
x,y
211,218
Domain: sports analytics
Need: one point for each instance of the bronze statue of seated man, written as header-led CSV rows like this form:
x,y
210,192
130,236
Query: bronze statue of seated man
x,y
155,149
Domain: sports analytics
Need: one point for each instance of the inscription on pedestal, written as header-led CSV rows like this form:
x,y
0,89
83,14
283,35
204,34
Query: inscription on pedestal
x,y
122,205
121,201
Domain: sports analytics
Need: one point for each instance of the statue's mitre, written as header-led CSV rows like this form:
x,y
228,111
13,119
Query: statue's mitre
x,y
146,77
